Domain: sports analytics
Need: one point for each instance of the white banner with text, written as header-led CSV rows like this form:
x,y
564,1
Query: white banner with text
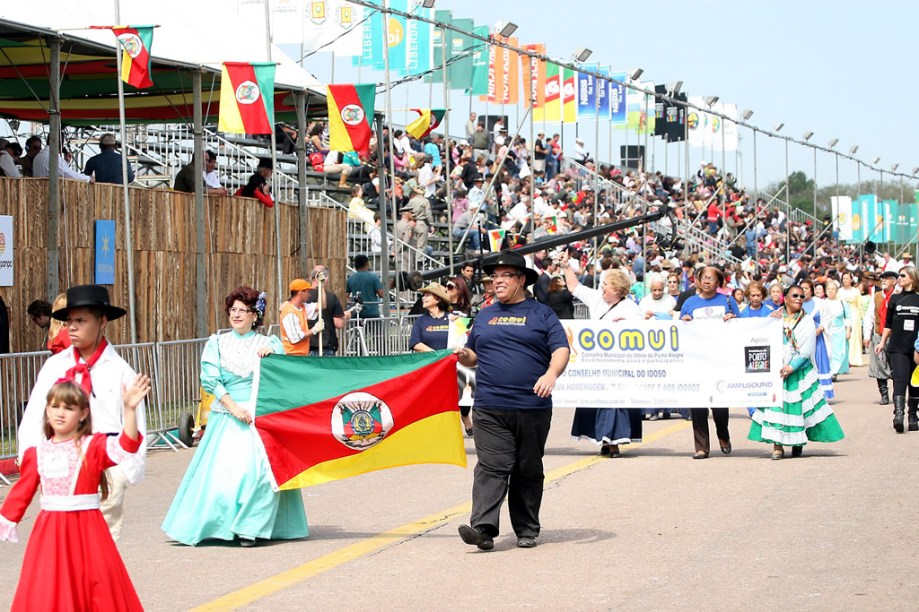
x,y
680,364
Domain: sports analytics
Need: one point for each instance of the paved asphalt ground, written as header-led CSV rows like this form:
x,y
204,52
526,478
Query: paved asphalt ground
x,y
833,530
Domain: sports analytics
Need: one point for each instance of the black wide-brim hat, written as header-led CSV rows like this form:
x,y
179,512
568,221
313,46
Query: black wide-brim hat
x,y
89,296
514,260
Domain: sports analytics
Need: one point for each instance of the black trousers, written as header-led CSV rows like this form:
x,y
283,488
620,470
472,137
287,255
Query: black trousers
x,y
901,366
510,445
700,427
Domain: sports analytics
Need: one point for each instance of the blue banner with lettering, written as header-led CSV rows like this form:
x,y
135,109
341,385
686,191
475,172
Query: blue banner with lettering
x,y
586,94
105,252
617,106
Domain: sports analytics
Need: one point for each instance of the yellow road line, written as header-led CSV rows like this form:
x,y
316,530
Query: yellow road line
x,y
278,582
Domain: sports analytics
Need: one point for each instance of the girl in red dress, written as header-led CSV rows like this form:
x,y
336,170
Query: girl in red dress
x,y
71,562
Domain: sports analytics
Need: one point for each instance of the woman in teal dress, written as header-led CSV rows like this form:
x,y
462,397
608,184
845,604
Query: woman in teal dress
x,y
839,327
804,414
226,493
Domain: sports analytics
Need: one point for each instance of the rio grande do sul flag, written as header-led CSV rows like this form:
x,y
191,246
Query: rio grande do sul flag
x,y
247,98
427,122
136,61
327,419
350,125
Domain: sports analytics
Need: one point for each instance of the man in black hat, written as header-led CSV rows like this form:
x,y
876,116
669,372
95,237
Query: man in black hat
x,y
101,372
520,349
258,186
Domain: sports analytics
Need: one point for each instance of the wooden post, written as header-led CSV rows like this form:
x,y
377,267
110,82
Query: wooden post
x,y
54,183
200,243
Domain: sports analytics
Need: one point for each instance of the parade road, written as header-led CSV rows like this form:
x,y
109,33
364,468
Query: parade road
x,y
832,530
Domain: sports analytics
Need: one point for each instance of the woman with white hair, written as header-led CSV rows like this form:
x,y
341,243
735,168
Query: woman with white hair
x,y
608,427
839,327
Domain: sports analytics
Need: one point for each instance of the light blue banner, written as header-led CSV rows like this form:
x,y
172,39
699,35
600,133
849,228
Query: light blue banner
x,y
603,92
105,252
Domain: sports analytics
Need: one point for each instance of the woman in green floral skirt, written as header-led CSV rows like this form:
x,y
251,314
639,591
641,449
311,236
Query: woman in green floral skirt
x,y
804,415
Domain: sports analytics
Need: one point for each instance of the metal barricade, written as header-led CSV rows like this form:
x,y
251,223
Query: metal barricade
x,y
179,386
376,337
18,372
142,358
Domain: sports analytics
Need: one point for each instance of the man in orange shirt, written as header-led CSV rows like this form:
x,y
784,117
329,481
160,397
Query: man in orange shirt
x,y
295,331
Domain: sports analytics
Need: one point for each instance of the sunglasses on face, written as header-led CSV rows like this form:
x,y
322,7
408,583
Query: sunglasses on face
x,y
450,285
795,296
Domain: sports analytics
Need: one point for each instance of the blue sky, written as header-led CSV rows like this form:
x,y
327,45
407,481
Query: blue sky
x,y
840,69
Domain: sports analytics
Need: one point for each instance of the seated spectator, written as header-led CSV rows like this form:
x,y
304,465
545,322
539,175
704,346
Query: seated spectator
x,y
258,186
8,158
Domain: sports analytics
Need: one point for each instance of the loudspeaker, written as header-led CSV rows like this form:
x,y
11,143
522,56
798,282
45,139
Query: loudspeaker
x,y
632,155
870,247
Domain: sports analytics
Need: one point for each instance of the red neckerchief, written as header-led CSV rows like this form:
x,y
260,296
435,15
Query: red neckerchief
x,y
84,368
882,311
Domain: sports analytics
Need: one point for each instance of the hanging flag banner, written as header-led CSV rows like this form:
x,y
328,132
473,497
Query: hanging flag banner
x,y
730,140
662,364
569,96
136,61
104,267
841,209
551,110
462,49
647,122
859,233
437,76
428,121
586,93
371,40
675,118
874,219
660,105
534,77
350,123
603,92
418,40
480,65
247,98
617,101
320,420
890,209
700,133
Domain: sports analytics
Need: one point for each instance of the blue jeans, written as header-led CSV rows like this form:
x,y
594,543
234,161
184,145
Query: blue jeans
x,y
325,352
473,241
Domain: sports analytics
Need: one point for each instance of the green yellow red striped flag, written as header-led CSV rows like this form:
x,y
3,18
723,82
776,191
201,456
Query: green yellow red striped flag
x,y
350,116
247,98
327,419
136,61
429,119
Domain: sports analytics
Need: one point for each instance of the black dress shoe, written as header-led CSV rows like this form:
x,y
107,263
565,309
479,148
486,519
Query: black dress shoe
x,y
797,451
526,542
476,537
726,448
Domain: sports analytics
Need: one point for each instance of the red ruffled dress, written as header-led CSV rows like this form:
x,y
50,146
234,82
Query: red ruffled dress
x,y
71,562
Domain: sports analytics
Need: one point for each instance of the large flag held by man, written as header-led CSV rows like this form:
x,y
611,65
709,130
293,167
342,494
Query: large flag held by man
x,y
350,116
247,98
328,419
136,61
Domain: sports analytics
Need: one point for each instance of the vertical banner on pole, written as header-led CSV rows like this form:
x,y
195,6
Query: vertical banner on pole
x,y
418,40
603,92
889,210
534,78
617,102
858,221
105,252
398,39
371,40
461,55
569,96
437,75
6,251
842,216
480,65
586,94
551,110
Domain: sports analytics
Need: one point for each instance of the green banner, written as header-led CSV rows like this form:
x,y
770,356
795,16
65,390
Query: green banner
x,y
480,65
460,70
437,76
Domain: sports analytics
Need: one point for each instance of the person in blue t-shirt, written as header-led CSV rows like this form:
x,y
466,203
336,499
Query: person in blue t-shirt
x,y
521,349
368,285
709,304
755,294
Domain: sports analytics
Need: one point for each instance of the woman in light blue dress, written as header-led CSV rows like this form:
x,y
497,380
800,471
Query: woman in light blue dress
x,y
838,326
226,493
814,307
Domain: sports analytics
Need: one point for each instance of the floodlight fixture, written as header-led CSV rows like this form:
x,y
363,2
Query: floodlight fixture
x,y
635,73
876,160
428,4
894,167
582,54
505,28
746,114
778,127
710,100
833,143
674,87
853,150
808,136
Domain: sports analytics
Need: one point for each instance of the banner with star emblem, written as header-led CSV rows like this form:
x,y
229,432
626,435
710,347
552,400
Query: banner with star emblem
x,y
324,419
105,252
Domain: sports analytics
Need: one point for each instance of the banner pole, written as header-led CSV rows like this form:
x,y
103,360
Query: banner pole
x,y
128,243
392,162
443,57
274,175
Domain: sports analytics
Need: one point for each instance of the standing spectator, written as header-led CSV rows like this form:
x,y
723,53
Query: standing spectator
x,y
39,313
106,166
539,153
41,167
479,142
334,317
471,126
518,363
405,227
294,316
899,339
420,206
33,147
366,285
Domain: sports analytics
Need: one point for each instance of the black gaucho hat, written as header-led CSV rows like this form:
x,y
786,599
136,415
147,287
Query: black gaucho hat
x,y
514,260
89,296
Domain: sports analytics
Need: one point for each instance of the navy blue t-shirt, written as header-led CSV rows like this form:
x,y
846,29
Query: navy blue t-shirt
x,y
514,344
714,307
430,331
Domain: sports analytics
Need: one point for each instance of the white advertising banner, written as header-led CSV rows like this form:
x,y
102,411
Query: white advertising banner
x,y
680,364
842,216
6,251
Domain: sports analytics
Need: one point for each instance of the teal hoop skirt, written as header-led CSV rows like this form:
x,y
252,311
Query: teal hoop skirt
x,y
803,417
226,492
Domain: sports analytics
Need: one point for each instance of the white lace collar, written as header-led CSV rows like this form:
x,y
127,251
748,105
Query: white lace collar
x,y
239,354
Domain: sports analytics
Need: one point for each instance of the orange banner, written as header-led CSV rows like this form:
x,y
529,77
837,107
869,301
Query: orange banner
x,y
534,76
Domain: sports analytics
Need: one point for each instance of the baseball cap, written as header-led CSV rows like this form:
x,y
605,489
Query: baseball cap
x,y
300,285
